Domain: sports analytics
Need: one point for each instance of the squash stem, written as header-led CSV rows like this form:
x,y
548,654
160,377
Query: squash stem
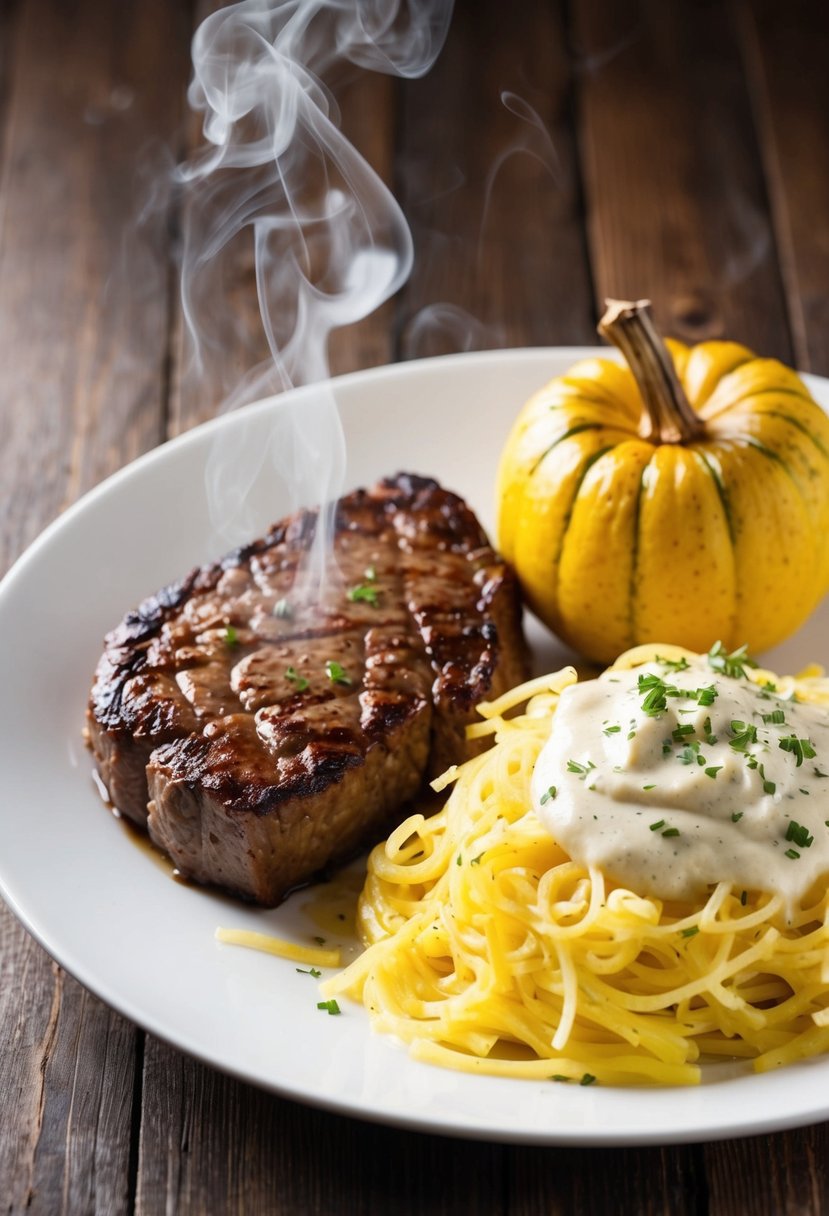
x,y
669,417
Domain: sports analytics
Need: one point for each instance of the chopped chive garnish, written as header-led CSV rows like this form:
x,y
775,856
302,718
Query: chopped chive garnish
x,y
743,735
799,835
309,971
706,696
612,730
680,664
680,731
768,786
775,718
733,665
476,861
793,854
548,794
573,766
671,832
736,816
336,673
691,931
329,1006
801,749
559,1076
230,636
363,592
654,827
299,682
648,787
587,1079
713,770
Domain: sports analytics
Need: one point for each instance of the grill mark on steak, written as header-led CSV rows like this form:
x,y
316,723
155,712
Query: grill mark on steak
x,y
243,754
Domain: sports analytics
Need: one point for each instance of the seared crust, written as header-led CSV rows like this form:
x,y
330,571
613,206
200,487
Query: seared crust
x,y
218,721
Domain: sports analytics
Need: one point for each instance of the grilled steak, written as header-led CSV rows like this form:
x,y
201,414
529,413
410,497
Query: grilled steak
x,y
259,738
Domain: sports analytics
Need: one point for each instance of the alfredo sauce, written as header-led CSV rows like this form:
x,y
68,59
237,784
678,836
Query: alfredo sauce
x,y
674,776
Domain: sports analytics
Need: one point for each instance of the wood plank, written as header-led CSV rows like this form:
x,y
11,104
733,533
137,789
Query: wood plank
x,y
677,208
488,177
212,1144
770,1175
629,1181
786,61
84,313
83,335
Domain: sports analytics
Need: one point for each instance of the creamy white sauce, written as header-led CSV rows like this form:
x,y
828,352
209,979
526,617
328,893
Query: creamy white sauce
x,y
671,801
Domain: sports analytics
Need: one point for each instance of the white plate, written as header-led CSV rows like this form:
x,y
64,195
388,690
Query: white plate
x,y
144,943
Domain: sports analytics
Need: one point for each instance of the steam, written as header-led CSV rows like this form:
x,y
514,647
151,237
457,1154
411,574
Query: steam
x,y
328,241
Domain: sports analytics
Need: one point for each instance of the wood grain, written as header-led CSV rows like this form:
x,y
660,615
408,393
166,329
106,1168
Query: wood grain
x,y
83,343
487,175
213,1144
676,202
786,68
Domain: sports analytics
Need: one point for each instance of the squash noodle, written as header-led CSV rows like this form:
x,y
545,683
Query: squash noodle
x,y
489,950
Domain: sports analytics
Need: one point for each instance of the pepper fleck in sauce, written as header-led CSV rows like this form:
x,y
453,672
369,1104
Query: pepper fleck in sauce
x,y
674,776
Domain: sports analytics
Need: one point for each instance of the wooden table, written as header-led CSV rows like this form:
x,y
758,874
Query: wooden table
x,y
676,150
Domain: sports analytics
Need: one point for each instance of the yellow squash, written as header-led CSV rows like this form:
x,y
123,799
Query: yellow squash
x,y
682,497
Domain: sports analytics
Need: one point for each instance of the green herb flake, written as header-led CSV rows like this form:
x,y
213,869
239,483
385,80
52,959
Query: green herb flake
x,y
736,816
733,665
559,1076
793,854
476,861
713,770
363,593
588,1079
801,749
818,773
743,736
329,1006
320,941
548,794
679,733
680,664
769,787
573,766
671,832
612,730
775,718
743,898
309,971
706,696
799,835
299,682
648,787
689,754
230,637
654,827
336,673
691,931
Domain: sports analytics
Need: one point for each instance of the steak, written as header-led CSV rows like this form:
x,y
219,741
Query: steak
x,y
258,737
